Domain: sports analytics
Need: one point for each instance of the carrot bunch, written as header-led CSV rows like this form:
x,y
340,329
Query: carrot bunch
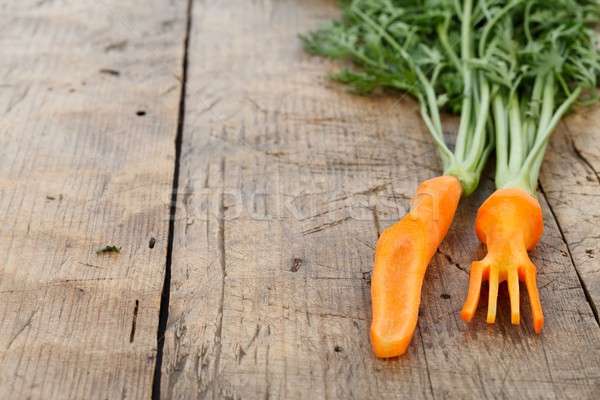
x,y
511,70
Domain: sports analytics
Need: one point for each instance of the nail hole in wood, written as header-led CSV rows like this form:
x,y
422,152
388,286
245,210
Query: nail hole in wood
x,y
366,276
140,113
152,243
297,262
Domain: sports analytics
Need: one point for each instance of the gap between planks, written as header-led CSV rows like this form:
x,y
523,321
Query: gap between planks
x,y
166,291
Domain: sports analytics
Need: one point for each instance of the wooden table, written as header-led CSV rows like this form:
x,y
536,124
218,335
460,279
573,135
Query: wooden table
x,y
248,203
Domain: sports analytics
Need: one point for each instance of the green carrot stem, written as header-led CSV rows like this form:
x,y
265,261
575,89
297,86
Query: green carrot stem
x,y
517,148
537,152
500,120
479,135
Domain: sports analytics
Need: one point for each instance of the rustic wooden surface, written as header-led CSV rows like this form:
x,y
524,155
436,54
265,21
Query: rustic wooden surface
x,y
79,169
285,182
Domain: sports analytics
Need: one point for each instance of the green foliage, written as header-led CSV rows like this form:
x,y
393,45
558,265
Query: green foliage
x,y
371,62
543,57
109,249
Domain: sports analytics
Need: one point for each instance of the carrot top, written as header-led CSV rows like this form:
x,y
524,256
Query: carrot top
x,y
542,58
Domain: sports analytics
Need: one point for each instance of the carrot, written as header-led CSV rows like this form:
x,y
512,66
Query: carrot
x,y
537,75
401,258
510,223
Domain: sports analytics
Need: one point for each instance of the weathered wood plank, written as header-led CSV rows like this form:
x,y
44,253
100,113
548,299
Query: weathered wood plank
x,y
285,183
79,169
571,182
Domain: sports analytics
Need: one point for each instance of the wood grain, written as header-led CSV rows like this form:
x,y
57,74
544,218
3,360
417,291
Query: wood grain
x,y
571,183
81,168
286,182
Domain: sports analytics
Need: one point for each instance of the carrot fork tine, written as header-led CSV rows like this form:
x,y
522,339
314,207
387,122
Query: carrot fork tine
x,y
493,297
513,292
474,290
534,298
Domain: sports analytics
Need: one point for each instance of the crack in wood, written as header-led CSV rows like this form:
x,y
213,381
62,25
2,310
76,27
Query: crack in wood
x,y
166,292
451,261
221,244
376,221
426,362
134,321
89,265
578,153
14,102
22,329
325,226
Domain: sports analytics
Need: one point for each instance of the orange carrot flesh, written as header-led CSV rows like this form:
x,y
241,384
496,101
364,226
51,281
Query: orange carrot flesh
x,y
401,258
510,223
